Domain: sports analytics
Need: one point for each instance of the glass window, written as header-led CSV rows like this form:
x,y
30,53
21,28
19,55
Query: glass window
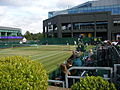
x,y
45,29
66,26
54,27
115,11
50,14
102,25
76,26
116,23
50,28
87,26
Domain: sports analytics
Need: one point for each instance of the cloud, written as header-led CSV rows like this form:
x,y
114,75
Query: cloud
x,y
27,21
64,3
68,3
29,14
17,2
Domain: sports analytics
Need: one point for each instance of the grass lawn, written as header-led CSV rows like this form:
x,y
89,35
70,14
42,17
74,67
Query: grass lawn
x,y
50,56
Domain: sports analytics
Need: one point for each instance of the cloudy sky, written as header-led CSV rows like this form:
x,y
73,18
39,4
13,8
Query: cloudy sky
x,y
29,14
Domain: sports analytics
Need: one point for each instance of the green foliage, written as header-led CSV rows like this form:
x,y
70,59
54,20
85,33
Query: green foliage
x,y
93,83
28,35
20,73
31,36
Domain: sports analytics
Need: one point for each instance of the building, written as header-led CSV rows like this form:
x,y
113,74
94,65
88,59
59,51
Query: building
x,y
10,33
100,18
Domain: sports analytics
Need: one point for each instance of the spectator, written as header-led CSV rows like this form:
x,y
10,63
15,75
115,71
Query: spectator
x,y
68,64
46,42
89,61
90,52
64,71
73,56
77,62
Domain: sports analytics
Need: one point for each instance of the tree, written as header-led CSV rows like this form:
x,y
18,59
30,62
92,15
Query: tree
x,y
31,36
28,35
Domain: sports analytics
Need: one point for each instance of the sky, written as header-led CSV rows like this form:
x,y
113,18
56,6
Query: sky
x,y
29,14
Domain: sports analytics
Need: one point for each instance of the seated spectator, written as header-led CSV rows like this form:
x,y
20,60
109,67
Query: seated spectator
x,y
89,61
68,64
74,55
90,52
77,62
64,71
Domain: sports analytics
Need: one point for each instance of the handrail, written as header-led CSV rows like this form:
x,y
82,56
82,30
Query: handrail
x,y
116,51
57,81
115,69
88,68
105,68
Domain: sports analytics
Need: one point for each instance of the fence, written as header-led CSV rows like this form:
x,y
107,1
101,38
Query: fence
x,y
87,68
57,81
110,77
58,41
117,75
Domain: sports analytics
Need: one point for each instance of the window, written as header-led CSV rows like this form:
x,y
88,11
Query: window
x,y
87,26
76,26
50,28
101,25
66,26
116,23
45,28
54,27
83,26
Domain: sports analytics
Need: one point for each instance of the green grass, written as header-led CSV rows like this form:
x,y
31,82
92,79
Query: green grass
x,y
50,56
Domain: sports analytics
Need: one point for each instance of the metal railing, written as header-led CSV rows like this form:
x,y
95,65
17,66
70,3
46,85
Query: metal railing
x,y
115,70
87,68
116,76
57,81
117,51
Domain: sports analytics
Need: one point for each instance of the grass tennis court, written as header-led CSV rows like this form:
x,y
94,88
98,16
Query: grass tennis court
x,y
50,56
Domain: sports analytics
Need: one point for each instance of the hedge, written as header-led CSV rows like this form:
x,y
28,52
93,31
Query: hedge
x,y
20,73
93,83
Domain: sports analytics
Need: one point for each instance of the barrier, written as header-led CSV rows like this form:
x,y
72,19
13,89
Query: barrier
x,y
57,81
58,41
115,69
107,56
104,69
87,68
117,76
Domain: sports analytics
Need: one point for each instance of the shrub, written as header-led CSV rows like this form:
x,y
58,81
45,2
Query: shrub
x,y
93,83
20,73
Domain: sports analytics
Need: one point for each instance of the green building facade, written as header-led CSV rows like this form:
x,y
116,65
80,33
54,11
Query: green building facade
x,y
8,31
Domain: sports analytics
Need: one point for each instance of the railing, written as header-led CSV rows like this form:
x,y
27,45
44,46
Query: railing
x,y
65,84
115,70
116,51
57,81
87,68
116,76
